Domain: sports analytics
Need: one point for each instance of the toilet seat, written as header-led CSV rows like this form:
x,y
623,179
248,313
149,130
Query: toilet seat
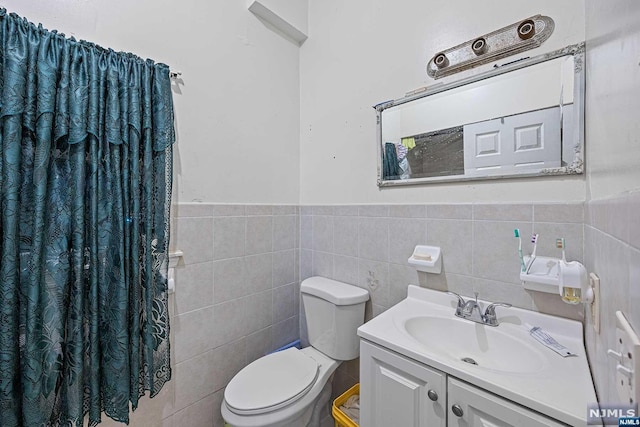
x,y
271,382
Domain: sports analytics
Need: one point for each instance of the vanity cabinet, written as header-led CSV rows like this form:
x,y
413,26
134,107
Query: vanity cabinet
x,y
397,391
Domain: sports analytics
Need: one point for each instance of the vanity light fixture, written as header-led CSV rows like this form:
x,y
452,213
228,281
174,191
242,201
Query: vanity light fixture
x,y
515,38
479,46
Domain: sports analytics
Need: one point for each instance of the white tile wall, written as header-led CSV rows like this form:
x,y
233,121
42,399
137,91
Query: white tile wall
x,y
235,300
613,254
368,246
237,289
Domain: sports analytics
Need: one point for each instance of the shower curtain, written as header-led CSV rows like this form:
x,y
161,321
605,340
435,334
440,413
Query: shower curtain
x,y
85,181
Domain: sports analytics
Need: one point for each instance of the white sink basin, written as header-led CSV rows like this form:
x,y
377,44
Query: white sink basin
x,y
510,363
484,347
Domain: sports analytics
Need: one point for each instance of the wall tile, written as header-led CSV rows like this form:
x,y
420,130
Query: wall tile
x,y
552,304
218,397
503,212
259,272
455,238
345,210
283,266
192,333
259,312
259,235
373,210
285,210
285,332
199,414
150,411
227,361
345,269
323,210
451,211
190,210
229,210
229,239
345,234
374,277
194,287
408,211
323,233
548,233
283,302
632,214
495,256
493,291
194,236
229,322
192,382
404,236
306,232
400,277
373,239
322,264
229,279
252,210
462,285
306,210
559,212
306,264
258,344
284,232
634,286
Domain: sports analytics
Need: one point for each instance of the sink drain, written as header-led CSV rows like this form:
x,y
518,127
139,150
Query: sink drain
x,y
469,360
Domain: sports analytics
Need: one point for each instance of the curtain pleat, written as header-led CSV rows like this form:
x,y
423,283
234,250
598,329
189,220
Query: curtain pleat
x,y
85,183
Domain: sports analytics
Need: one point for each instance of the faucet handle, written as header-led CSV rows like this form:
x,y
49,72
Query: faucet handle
x,y
461,301
490,312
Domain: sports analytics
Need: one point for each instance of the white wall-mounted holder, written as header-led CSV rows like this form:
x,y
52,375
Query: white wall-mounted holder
x,y
627,356
427,259
174,259
556,276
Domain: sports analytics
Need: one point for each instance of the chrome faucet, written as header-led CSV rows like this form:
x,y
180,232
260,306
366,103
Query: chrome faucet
x,y
471,310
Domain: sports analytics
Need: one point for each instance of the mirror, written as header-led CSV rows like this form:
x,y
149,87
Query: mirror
x,y
524,118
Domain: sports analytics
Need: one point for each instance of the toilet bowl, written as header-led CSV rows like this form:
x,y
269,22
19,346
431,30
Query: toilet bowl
x,y
291,388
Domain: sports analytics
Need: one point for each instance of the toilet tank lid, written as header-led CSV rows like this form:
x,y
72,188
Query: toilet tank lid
x,y
335,292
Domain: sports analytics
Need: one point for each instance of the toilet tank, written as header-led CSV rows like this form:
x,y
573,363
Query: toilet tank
x,y
333,312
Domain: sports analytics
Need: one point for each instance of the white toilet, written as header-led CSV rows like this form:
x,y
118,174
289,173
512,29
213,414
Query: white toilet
x,y
290,388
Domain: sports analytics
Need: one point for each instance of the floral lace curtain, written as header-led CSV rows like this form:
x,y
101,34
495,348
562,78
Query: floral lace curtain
x,y
85,183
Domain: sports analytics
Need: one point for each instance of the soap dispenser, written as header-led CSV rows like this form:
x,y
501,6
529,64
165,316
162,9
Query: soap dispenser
x,y
574,283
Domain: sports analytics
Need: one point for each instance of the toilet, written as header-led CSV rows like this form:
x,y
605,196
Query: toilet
x,y
291,388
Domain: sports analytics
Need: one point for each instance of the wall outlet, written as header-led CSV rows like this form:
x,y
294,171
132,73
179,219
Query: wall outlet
x,y
627,356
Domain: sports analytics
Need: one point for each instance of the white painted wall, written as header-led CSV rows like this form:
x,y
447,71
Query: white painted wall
x,y
238,106
613,97
360,53
294,12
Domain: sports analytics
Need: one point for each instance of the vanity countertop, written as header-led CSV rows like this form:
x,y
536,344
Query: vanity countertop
x,y
511,363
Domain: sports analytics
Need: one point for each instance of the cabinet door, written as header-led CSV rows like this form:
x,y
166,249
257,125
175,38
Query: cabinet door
x,y
394,391
470,406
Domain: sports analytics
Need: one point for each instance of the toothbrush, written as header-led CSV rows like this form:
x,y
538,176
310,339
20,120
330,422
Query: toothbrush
x,y
532,258
560,245
523,267
534,240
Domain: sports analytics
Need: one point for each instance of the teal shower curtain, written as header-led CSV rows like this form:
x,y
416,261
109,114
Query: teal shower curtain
x,y
85,180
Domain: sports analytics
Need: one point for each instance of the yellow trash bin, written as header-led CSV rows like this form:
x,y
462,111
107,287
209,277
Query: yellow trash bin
x,y
341,419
